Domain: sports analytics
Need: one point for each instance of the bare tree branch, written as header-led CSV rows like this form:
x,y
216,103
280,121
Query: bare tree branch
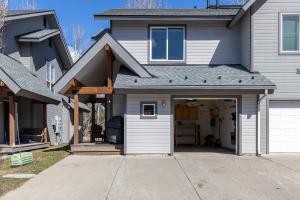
x,y
3,10
29,5
151,4
79,45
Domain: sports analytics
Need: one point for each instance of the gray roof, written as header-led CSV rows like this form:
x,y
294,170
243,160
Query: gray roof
x,y
220,77
22,82
11,13
159,13
38,36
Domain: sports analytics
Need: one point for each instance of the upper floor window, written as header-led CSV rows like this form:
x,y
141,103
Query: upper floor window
x,y
290,34
167,43
50,76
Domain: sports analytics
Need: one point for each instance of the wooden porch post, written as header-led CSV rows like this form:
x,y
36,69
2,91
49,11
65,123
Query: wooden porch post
x,y
76,119
93,114
12,131
45,124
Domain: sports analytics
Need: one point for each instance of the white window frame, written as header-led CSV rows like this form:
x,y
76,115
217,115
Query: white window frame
x,y
149,104
50,70
281,51
167,41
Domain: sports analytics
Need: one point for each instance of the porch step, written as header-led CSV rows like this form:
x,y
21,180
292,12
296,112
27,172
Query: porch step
x,y
97,149
22,148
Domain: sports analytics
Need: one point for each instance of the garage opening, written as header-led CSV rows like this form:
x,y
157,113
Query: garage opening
x,y
205,125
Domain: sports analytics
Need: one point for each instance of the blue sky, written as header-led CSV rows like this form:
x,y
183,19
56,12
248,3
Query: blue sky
x,y
73,12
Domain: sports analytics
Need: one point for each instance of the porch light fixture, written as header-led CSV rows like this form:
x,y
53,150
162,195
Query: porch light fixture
x,y
164,103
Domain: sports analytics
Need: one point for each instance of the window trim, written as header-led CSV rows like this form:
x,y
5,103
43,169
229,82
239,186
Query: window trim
x,y
281,51
143,116
51,69
167,45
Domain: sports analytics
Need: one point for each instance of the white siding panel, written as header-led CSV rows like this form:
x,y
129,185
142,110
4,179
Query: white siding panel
x,y
148,135
281,69
212,43
246,40
207,42
248,124
134,37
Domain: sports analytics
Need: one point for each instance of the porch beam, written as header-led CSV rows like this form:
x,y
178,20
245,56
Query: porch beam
x,y
76,119
12,131
109,66
4,90
95,90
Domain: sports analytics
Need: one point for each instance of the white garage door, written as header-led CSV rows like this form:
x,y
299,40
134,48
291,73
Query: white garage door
x,y
284,126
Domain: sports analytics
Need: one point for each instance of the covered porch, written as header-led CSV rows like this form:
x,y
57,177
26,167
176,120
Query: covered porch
x,y
23,108
91,80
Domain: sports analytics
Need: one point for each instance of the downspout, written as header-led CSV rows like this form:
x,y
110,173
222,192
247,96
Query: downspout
x,y
259,99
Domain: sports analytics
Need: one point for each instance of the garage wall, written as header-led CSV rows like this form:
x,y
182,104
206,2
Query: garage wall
x,y
279,68
248,124
148,136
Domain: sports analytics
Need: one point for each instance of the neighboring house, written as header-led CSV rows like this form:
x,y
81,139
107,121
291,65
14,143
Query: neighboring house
x,y
230,74
33,58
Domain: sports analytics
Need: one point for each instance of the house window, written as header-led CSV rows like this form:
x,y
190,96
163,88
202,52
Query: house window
x,y
290,34
50,76
149,110
167,43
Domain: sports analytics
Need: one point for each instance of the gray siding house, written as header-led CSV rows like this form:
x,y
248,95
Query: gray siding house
x,y
34,56
184,78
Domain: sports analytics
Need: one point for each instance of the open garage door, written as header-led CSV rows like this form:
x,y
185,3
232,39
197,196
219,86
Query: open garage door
x,y
284,126
207,125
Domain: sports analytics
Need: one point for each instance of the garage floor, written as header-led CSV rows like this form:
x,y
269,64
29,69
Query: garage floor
x,y
187,175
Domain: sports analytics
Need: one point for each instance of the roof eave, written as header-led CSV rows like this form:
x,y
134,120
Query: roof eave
x,y
22,16
241,13
229,87
167,18
38,97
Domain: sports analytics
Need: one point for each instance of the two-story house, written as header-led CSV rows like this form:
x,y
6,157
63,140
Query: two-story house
x,y
217,77
33,57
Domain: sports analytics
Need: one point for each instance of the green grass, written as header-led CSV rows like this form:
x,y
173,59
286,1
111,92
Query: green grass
x,y
42,160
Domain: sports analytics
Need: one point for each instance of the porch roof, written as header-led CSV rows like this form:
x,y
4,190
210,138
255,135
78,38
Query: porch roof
x,y
38,36
194,77
22,82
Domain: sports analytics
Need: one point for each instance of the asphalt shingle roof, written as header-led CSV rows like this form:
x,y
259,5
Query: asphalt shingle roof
x,y
168,12
190,75
38,35
20,75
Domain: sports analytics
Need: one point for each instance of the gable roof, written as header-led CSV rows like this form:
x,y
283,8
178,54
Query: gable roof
x,y
63,49
22,82
19,14
195,77
118,50
178,14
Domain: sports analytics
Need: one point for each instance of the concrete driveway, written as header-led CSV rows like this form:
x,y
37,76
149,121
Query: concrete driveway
x,y
184,176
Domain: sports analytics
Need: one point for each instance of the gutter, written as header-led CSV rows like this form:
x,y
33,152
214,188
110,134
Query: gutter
x,y
259,100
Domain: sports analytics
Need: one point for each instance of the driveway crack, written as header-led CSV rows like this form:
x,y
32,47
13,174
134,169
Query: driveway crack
x,y
185,174
114,178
